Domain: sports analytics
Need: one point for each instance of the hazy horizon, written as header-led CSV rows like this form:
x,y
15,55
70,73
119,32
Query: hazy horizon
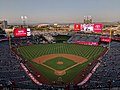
x,y
62,11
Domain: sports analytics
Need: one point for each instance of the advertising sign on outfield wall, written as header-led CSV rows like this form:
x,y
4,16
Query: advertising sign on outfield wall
x,y
86,43
104,39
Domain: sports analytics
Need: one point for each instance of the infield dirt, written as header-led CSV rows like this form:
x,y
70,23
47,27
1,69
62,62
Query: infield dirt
x,y
75,58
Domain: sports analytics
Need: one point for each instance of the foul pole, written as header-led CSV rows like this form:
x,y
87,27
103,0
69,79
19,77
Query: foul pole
x,y
110,37
9,41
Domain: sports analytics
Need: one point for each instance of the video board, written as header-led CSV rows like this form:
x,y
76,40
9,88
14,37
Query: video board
x,y
88,27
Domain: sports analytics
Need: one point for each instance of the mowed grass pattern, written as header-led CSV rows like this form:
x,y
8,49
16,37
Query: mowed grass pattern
x,y
53,63
34,51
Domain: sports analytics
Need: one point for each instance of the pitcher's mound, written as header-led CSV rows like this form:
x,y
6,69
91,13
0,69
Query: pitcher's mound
x,y
60,62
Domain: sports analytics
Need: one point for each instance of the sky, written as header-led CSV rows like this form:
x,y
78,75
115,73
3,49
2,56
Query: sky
x,y
59,11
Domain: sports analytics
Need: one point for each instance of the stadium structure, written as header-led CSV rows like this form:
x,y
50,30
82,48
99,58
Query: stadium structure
x,y
60,60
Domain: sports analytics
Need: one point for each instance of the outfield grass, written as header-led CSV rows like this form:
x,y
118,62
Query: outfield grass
x,y
53,63
34,51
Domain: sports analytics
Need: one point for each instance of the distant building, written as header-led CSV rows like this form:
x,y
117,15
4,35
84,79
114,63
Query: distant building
x,y
9,30
42,25
3,24
71,27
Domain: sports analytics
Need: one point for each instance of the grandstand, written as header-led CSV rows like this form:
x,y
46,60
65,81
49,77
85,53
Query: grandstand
x,y
3,35
11,73
108,74
84,39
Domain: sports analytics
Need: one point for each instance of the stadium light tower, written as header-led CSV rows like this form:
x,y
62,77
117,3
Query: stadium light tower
x,y
24,20
85,19
90,19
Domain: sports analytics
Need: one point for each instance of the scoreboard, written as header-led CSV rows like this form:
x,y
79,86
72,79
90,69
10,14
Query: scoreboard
x,y
22,32
88,27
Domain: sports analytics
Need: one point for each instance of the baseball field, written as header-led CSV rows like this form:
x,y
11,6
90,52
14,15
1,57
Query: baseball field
x,y
60,62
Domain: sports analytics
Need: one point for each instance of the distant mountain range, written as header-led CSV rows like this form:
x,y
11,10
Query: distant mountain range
x,y
62,23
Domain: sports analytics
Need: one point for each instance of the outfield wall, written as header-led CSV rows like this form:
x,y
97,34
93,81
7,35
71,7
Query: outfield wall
x,y
86,43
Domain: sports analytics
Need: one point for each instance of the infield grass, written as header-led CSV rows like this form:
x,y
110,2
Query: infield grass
x,y
53,63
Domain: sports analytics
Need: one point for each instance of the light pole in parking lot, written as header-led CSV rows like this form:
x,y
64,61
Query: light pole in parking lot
x,y
24,20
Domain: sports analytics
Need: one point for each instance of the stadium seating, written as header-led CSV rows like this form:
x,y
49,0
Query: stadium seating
x,y
83,38
10,69
106,76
